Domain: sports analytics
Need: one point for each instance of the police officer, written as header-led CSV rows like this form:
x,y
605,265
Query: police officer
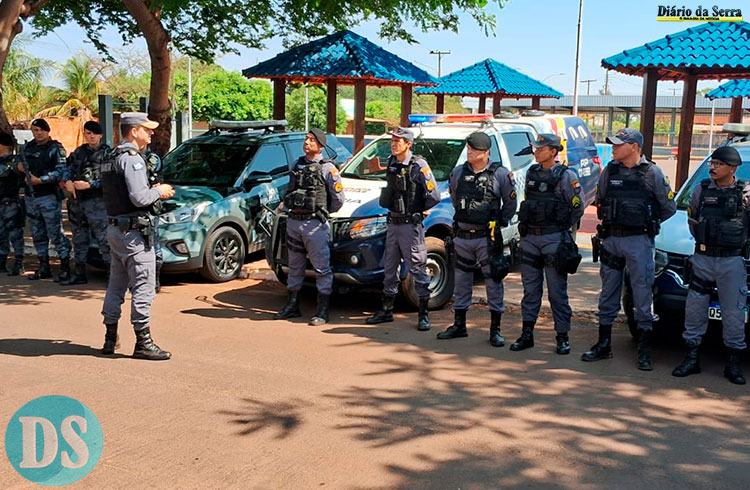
x,y
719,220
154,166
128,198
484,197
11,211
86,212
410,190
633,197
553,204
44,165
315,191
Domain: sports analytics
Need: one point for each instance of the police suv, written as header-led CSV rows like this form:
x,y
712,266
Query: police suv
x,y
358,229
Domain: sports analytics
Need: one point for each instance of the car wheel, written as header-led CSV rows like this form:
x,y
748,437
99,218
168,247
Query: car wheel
x,y
224,255
441,277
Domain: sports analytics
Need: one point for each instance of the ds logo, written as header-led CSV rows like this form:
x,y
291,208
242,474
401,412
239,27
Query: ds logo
x,y
54,440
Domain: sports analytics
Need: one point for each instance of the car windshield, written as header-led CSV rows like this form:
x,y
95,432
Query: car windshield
x,y
442,155
701,173
210,164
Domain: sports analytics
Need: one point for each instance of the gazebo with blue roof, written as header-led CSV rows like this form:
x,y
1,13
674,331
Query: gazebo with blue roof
x,y
710,51
735,90
341,58
489,78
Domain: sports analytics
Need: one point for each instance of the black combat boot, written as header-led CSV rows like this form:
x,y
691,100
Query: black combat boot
x,y
458,329
43,272
291,309
78,277
145,348
732,371
691,364
644,350
384,314
3,259
496,337
64,274
17,269
526,339
321,317
111,339
423,324
563,343
603,348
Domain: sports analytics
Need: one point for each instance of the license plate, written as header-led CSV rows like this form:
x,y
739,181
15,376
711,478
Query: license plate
x,y
714,312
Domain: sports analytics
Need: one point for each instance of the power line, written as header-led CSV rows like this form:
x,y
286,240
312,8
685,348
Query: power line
x,y
588,84
440,55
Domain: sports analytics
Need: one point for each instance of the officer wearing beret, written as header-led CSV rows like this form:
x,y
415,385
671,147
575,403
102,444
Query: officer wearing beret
x,y
86,212
483,195
410,190
315,191
633,197
718,220
553,204
12,215
128,198
43,162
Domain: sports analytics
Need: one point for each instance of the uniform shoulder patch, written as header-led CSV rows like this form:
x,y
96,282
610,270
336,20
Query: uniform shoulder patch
x,y
137,166
670,195
334,172
512,179
426,170
430,185
513,194
576,202
338,187
576,184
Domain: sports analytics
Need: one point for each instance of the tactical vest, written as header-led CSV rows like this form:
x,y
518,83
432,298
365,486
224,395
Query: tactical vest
x,y
86,165
629,208
41,160
402,195
115,188
10,182
721,227
542,211
475,202
307,188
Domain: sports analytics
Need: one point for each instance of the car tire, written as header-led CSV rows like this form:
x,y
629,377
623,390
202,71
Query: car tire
x,y
441,276
224,255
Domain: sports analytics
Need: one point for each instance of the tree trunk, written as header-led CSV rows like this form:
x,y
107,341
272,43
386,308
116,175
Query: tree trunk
x,y
157,39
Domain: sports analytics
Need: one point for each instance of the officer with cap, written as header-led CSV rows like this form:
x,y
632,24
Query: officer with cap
x,y
43,162
12,215
128,198
484,197
718,219
633,197
410,190
315,191
553,205
86,211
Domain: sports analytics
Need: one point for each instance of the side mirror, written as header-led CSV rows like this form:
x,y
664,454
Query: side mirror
x,y
254,180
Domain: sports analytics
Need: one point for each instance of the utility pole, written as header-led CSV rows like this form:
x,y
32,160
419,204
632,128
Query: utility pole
x,y
440,55
578,59
588,85
606,82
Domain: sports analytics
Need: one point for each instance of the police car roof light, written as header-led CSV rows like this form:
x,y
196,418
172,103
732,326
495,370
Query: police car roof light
x,y
532,113
507,115
736,128
243,125
449,118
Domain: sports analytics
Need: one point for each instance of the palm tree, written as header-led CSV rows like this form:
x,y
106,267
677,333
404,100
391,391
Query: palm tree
x,y
81,78
23,88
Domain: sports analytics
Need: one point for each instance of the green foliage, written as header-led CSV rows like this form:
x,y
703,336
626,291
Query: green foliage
x,y
23,90
224,95
80,80
295,109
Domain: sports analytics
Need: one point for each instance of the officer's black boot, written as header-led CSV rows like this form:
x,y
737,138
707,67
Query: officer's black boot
x,y
17,269
321,317
78,277
291,309
526,339
732,371
458,329
3,259
603,348
43,272
384,314
563,343
111,339
496,337
691,364
64,274
644,350
424,319
145,348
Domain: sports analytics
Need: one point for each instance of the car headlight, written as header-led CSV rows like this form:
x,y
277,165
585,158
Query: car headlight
x,y
661,261
367,228
184,215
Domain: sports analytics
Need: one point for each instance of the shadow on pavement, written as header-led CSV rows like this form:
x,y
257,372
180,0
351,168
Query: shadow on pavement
x,y
51,347
282,417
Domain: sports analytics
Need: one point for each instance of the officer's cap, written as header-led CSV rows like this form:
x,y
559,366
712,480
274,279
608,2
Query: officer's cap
x,y
404,133
728,155
41,124
320,136
137,119
626,135
6,140
548,139
94,127
479,141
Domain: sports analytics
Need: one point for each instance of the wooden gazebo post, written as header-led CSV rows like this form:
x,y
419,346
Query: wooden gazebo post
x,y
735,113
687,114
406,96
360,96
439,104
331,88
496,103
648,110
482,104
279,98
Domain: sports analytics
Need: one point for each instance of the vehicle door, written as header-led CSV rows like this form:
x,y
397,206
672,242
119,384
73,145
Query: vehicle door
x,y
265,182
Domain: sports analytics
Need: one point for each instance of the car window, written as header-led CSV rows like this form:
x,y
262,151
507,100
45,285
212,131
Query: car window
x,y
516,143
701,173
209,164
270,159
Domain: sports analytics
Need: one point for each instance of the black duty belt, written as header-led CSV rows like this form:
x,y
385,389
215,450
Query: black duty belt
x,y
8,200
543,230
626,231
412,219
718,252
471,234
133,223
301,216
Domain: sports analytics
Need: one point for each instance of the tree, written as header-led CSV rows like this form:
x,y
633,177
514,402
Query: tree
x,y
24,91
295,109
80,77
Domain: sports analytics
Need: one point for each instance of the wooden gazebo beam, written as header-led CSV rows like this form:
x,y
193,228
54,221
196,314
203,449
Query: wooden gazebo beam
x,y
687,113
648,110
735,113
406,99
279,98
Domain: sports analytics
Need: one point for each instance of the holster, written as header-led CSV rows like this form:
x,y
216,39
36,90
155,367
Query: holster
x,y
499,264
596,248
612,261
567,258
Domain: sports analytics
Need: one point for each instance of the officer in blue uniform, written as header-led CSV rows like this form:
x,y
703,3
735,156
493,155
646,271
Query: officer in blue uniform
x,y
484,197
86,212
44,164
553,205
633,197
129,197
12,215
719,219
315,191
410,190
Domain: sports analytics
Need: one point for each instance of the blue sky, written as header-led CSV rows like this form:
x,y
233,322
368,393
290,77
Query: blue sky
x,y
536,37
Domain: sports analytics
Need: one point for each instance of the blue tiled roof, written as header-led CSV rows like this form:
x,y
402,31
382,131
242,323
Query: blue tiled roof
x,y
342,56
722,47
731,89
490,77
